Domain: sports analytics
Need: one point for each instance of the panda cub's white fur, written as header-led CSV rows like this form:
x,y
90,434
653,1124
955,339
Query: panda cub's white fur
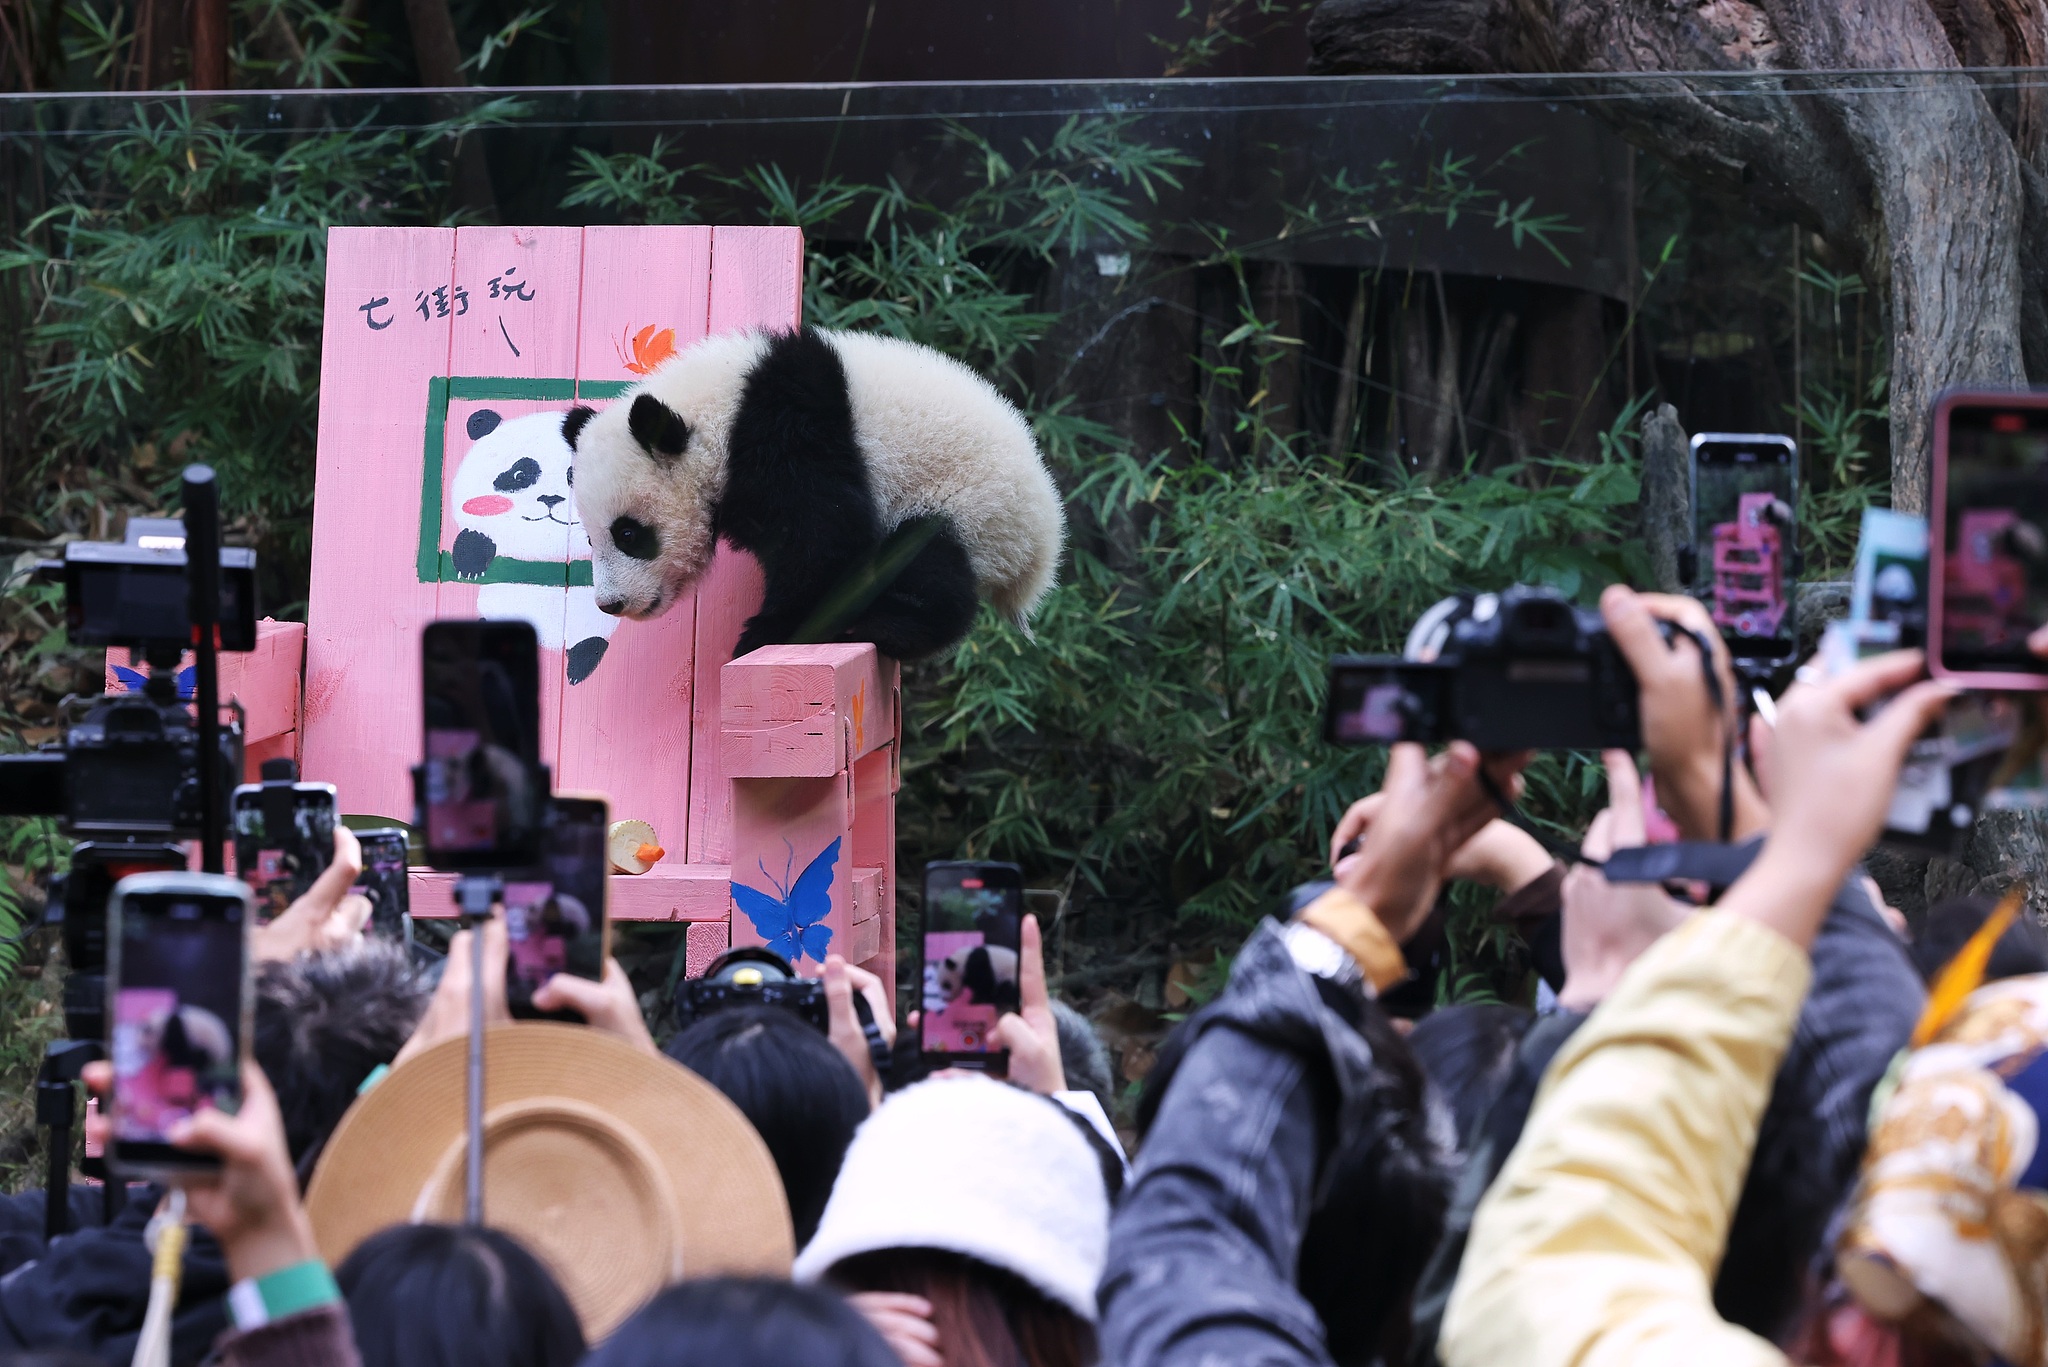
x,y
932,437
940,439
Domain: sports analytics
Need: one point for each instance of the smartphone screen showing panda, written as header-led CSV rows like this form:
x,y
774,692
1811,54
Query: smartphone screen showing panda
x,y
973,923
555,919
383,883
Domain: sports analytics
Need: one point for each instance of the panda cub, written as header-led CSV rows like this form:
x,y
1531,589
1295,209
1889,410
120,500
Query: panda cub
x,y
512,498
808,449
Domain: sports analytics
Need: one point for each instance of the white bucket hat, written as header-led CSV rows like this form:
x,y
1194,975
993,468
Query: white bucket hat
x,y
972,1166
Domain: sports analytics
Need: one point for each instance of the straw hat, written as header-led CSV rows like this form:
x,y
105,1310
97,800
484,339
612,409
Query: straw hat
x,y
622,1171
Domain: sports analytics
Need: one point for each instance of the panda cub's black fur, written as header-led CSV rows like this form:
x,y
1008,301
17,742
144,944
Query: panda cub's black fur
x,y
797,498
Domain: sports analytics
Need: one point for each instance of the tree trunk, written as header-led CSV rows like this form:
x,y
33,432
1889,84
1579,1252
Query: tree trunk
x,y
1667,496
1917,178
209,44
439,58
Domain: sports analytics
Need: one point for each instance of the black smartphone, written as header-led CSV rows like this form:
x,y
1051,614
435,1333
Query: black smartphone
x,y
1988,539
482,786
181,1006
284,840
1378,700
556,920
384,883
1745,524
973,931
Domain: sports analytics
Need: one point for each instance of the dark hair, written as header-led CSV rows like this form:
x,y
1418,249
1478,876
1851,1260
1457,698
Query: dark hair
x,y
1466,1052
986,1317
799,1092
744,1322
323,1024
1083,1056
1949,924
456,1296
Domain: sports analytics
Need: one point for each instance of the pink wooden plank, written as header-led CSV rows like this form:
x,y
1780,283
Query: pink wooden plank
x,y
757,278
729,594
517,300
668,892
361,710
802,711
626,728
708,940
874,853
781,826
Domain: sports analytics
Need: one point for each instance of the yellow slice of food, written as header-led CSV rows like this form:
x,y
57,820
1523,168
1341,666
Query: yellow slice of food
x,y
632,847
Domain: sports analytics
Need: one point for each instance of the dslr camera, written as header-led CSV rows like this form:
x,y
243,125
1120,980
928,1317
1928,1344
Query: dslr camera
x,y
1523,669
753,976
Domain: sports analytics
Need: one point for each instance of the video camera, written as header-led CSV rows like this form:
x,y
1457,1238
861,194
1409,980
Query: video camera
x,y
127,771
1523,669
128,763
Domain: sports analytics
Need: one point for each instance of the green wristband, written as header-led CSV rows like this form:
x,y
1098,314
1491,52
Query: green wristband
x,y
287,1291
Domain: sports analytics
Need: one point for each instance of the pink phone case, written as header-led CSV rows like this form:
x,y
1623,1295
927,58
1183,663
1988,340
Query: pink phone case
x,y
1937,547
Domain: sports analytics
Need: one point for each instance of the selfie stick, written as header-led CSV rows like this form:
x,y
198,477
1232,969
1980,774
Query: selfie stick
x,y
476,895
202,569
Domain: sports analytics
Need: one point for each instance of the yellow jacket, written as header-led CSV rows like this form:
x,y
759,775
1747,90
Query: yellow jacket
x,y
1598,1245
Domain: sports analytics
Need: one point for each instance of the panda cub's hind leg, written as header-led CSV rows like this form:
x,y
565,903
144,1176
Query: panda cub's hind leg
x,y
928,607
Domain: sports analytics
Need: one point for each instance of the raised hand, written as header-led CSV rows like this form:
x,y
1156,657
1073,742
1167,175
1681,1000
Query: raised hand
x,y
1685,733
1429,809
608,1006
327,916
1833,777
1033,1035
1606,925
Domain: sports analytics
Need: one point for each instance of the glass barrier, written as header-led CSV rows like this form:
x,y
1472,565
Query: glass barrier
x,y
1306,354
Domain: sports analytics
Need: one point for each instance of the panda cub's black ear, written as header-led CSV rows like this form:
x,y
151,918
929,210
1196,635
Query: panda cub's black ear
x,y
659,429
572,423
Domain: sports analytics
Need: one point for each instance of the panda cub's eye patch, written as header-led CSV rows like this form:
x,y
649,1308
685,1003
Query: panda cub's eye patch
x,y
636,539
524,474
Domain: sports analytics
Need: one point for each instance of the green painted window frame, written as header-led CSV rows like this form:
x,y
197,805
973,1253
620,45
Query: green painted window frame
x,y
436,565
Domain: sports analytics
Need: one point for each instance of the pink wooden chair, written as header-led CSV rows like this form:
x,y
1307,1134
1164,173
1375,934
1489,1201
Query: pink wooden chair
x,y
751,771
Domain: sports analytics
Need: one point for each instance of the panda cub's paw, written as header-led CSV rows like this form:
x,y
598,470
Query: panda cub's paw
x,y
473,553
583,657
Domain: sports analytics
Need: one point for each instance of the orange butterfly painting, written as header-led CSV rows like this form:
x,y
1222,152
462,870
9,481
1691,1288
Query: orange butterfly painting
x,y
651,346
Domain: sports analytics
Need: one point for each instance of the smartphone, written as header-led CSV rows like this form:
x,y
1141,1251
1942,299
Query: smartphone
x,y
1745,523
182,1000
556,920
973,932
284,840
1989,530
384,883
482,787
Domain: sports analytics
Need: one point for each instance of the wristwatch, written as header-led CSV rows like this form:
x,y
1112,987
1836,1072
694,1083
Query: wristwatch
x,y
1316,953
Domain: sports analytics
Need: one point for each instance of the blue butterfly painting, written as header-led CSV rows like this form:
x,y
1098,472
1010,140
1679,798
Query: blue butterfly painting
x,y
793,923
134,679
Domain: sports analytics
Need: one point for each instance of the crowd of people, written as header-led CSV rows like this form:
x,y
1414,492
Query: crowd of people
x,y
1740,1127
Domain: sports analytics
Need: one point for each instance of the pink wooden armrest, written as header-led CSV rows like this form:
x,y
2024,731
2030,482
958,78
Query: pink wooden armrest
x,y
808,736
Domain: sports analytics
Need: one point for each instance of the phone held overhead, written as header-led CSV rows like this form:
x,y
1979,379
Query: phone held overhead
x,y
181,1009
972,936
284,835
1744,556
1989,539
